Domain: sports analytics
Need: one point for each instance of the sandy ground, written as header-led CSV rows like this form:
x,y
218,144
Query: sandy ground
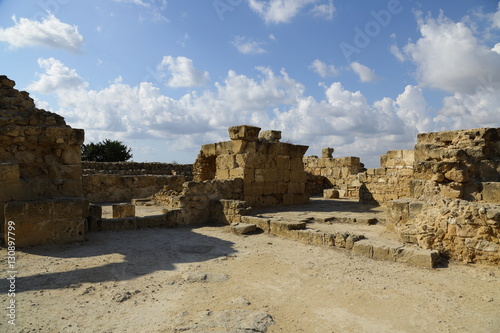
x,y
208,280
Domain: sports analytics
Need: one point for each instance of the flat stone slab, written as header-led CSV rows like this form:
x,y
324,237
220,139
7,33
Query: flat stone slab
x,y
242,228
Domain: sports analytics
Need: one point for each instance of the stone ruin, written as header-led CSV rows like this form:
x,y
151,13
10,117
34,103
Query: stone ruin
x,y
454,201
272,171
40,172
444,195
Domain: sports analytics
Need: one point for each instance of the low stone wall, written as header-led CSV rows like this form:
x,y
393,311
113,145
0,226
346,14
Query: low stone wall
x,y
47,221
99,188
135,168
463,230
339,173
389,182
200,202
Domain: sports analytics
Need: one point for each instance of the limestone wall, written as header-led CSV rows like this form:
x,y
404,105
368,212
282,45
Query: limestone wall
x,y
39,164
98,188
124,181
389,182
200,202
454,202
136,168
272,171
457,164
338,173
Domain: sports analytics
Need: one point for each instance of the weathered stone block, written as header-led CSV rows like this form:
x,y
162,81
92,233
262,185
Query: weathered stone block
x,y
327,152
242,228
48,221
281,227
457,175
244,132
416,257
9,172
123,210
491,192
363,248
270,136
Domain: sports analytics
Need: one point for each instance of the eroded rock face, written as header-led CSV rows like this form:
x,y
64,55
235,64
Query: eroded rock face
x,y
40,167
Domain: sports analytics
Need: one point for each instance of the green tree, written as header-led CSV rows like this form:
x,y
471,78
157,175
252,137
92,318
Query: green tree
x,y
106,151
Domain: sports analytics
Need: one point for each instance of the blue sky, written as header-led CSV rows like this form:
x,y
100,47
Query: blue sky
x,y
166,76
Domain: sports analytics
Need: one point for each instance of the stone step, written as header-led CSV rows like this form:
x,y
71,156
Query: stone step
x,y
358,244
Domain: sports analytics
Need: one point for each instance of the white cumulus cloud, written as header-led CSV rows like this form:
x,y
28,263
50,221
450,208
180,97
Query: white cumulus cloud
x,y
50,32
245,45
324,10
341,118
323,69
397,53
182,73
283,11
449,57
365,74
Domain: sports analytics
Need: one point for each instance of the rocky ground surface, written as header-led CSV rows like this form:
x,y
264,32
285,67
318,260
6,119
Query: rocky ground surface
x,y
206,279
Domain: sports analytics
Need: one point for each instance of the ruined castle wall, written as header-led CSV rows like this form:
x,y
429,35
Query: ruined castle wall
x,y
39,165
272,171
454,203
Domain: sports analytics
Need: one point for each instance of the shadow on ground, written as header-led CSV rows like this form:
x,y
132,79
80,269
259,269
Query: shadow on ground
x,y
144,251
318,204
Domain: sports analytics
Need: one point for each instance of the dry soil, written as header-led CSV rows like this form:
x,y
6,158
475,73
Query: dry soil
x,y
206,279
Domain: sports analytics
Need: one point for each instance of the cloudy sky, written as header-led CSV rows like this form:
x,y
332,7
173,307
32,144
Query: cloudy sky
x,y
165,76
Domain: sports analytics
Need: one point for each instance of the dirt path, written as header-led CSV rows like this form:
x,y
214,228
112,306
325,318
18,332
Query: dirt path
x,y
209,280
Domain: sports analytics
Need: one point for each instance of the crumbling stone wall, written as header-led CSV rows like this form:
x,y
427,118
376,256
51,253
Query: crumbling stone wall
x,y
454,203
389,182
124,181
272,171
119,188
338,173
457,164
40,171
205,202
137,168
